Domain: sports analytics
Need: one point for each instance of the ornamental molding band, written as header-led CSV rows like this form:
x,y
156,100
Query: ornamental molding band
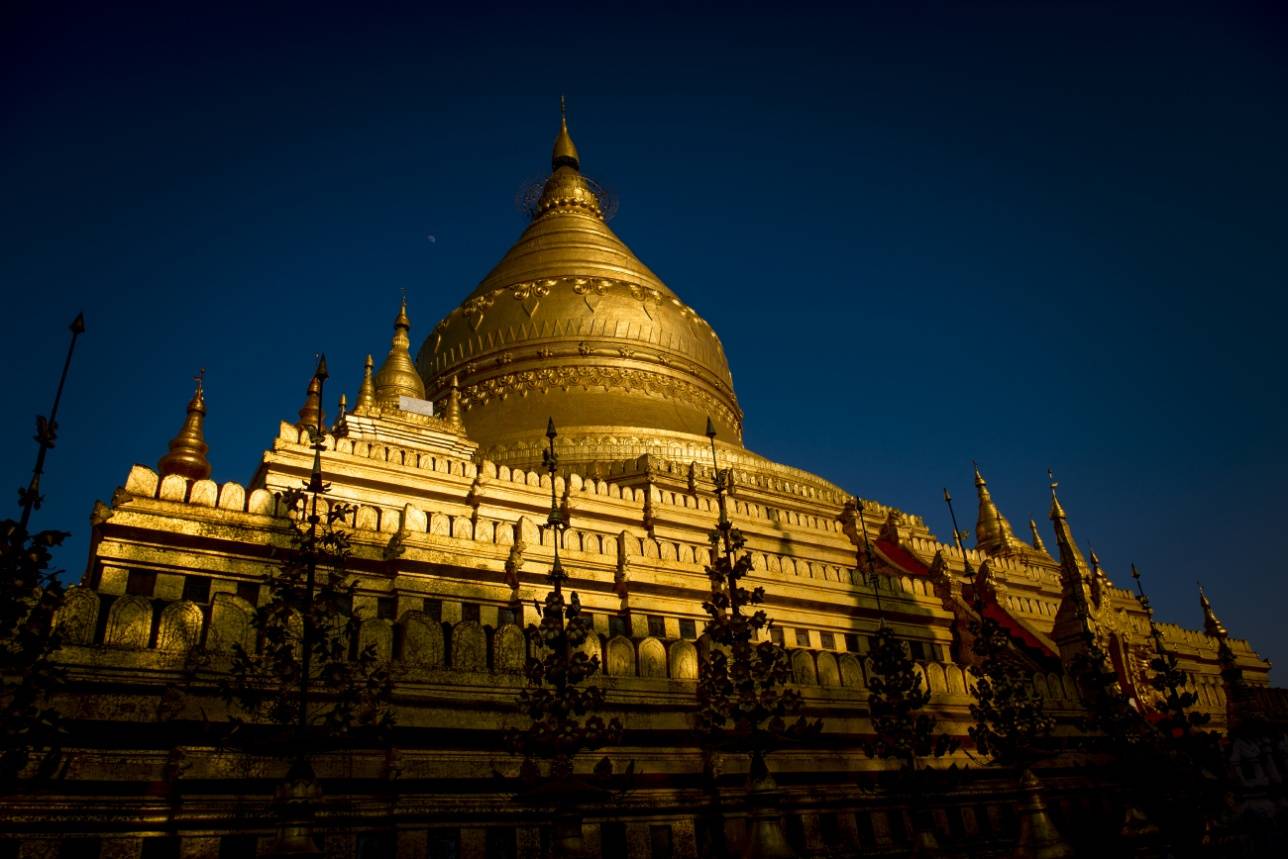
x,y
580,334
566,378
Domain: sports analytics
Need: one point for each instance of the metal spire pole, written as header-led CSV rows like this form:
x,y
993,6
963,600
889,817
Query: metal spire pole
x,y
1149,612
550,459
957,534
719,477
554,519
47,431
872,571
316,487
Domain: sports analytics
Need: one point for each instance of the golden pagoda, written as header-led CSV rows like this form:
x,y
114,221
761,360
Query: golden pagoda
x,y
571,325
439,461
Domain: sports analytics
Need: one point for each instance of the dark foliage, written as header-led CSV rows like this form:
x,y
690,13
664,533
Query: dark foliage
x,y
742,696
1177,717
30,594
1109,714
557,699
897,696
348,689
1010,717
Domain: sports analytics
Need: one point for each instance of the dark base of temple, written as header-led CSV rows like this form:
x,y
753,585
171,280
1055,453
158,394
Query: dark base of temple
x,y
986,812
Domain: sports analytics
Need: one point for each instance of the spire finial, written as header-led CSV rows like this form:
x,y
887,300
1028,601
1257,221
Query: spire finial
x,y
187,455
1057,511
311,412
401,320
565,151
397,377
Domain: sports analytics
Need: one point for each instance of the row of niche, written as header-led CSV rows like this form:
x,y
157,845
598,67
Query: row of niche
x,y
231,496
489,470
419,641
674,459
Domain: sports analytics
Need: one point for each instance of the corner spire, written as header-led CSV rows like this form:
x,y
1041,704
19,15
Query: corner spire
x,y
367,391
1075,568
1037,537
453,411
993,534
1236,688
398,377
565,151
187,455
311,412
1211,623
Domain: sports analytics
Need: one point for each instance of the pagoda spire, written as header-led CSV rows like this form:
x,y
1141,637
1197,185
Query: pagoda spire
x,y
453,411
398,377
1211,623
311,412
993,534
187,455
367,391
1037,537
567,190
1076,625
1100,583
1236,689
565,151
1070,558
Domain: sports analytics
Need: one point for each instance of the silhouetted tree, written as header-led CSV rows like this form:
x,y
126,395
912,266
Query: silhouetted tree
x,y
346,689
561,707
897,698
30,594
742,687
557,697
1108,711
1010,716
1177,717
904,732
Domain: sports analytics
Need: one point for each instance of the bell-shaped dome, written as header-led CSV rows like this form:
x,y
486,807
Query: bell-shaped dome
x,y
571,325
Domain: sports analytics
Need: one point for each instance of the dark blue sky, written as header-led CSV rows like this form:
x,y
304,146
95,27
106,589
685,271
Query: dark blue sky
x,y
926,233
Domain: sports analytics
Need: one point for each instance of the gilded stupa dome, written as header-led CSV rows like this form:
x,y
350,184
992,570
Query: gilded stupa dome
x,y
570,324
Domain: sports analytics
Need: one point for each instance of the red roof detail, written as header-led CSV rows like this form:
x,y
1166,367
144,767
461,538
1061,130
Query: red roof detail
x,y
899,557
1017,629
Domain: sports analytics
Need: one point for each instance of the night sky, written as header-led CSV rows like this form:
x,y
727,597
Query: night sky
x,y
926,233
